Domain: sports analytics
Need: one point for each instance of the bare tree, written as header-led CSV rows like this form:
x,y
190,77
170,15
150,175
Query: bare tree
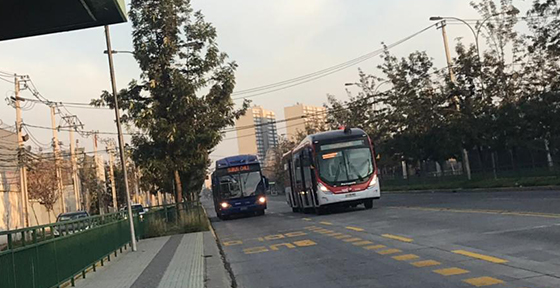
x,y
43,185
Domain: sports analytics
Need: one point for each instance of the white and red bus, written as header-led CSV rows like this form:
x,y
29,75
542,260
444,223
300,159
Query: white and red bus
x,y
331,168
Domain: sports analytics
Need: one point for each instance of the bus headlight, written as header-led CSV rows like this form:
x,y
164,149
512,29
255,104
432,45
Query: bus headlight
x,y
224,205
373,181
262,200
324,189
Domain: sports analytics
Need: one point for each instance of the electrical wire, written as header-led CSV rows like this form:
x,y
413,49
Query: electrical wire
x,y
322,73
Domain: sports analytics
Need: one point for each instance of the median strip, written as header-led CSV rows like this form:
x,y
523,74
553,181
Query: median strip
x,y
480,256
399,238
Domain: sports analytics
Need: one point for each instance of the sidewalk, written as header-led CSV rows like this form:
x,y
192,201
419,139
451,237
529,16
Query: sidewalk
x,y
185,260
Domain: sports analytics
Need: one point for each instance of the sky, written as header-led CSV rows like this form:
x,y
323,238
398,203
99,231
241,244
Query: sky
x,y
270,40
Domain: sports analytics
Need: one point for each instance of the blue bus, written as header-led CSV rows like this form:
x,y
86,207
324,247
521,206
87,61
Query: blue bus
x,y
238,186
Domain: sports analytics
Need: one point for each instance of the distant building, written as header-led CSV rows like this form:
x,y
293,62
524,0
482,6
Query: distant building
x,y
256,132
303,116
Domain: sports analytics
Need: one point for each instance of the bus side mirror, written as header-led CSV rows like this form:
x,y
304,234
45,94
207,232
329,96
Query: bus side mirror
x,y
265,181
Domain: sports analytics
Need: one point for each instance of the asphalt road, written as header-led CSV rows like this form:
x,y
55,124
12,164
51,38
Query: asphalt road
x,y
497,239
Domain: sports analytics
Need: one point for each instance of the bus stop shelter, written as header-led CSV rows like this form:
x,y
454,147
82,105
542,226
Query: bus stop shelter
x,y
25,18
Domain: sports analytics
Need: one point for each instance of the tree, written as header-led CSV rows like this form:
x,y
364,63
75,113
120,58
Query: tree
x,y
183,98
91,185
42,184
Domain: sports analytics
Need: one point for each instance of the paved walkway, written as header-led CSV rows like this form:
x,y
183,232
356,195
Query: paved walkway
x,y
164,262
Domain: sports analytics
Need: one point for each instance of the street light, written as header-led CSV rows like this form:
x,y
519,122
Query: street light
x,y
118,52
120,138
476,32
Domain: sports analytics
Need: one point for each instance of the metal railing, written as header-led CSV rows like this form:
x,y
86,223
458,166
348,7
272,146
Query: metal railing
x,y
50,255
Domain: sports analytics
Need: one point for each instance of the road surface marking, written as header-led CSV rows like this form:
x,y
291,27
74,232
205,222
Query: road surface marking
x,y
311,227
274,237
232,243
451,271
406,257
426,263
276,247
254,250
354,228
494,212
480,256
342,236
325,223
352,239
399,238
295,234
304,243
324,231
483,281
389,251
362,243
375,247
306,219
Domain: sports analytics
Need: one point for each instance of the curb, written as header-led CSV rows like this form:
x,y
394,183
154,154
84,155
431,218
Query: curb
x,y
476,190
227,266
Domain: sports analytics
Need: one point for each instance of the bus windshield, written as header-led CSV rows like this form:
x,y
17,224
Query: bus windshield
x,y
345,163
239,185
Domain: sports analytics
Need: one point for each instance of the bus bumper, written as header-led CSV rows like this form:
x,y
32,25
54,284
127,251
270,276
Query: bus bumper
x,y
242,209
372,192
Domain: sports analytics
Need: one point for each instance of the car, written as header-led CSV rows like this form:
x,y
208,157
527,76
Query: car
x,y
70,216
136,209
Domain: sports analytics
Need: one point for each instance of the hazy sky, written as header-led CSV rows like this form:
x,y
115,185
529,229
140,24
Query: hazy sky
x,y
271,41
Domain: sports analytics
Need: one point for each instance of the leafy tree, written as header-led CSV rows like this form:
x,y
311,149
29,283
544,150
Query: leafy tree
x,y
183,98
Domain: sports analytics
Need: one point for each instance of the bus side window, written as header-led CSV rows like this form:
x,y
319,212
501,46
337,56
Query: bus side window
x,y
297,172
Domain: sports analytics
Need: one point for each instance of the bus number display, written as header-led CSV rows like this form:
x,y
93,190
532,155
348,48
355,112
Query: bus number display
x,y
238,169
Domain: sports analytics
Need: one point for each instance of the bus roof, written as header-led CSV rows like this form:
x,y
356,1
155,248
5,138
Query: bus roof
x,y
237,161
337,134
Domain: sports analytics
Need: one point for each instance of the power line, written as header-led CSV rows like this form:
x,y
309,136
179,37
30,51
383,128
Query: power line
x,y
85,131
322,73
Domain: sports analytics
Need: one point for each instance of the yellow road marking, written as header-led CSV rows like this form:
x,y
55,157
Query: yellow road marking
x,y
324,231
311,227
254,250
406,257
483,281
451,271
275,247
362,243
295,234
375,247
232,243
325,223
395,237
426,263
342,236
494,212
306,219
480,256
354,228
260,239
389,251
304,243
352,239
274,237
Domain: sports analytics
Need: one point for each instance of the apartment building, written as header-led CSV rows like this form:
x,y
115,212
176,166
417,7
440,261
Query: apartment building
x,y
256,132
300,115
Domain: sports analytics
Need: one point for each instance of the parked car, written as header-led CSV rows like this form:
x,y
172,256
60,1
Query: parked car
x,y
137,209
70,216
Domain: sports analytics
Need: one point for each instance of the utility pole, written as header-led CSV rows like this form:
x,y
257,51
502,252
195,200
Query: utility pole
x,y
21,154
442,25
71,121
56,153
110,150
121,139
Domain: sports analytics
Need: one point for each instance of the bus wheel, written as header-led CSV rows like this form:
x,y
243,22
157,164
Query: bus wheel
x,y
368,203
295,209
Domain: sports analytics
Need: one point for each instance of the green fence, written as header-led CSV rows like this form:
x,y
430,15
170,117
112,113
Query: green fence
x,y
50,255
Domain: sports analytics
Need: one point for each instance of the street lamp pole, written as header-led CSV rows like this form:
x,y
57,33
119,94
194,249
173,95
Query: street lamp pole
x,y
120,138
